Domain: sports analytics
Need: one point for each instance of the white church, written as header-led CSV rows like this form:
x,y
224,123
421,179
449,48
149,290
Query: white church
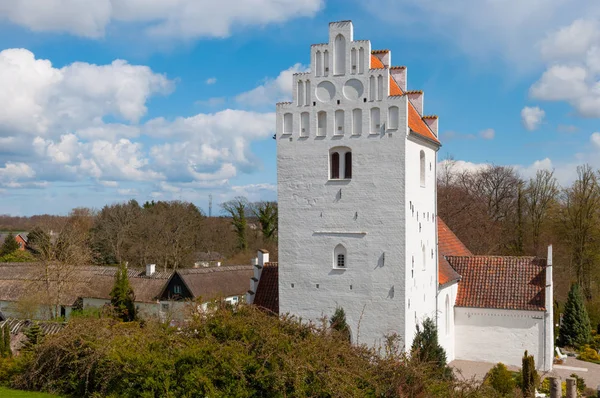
x,y
358,224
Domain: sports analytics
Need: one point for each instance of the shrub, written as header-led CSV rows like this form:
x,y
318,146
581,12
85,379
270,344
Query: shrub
x,y
9,245
339,324
588,354
17,256
425,348
530,377
501,379
122,297
575,327
580,383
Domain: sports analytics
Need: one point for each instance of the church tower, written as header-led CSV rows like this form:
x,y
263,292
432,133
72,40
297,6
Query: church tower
x,y
356,162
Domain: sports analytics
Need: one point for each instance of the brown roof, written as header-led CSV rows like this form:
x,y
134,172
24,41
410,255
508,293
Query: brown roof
x,y
512,283
448,245
215,282
267,291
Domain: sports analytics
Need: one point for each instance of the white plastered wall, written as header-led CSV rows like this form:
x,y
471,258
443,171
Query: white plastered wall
x,y
494,335
445,319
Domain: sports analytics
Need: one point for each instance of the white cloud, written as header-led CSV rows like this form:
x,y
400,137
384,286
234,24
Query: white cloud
x,y
127,192
595,139
487,134
211,80
571,41
178,18
532,117
272,90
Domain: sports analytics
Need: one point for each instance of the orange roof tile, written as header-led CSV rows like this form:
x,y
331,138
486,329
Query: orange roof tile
x,y
416,124
376,63
448,245
394,88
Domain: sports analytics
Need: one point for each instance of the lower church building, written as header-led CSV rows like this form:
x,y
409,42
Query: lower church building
x,y
358,223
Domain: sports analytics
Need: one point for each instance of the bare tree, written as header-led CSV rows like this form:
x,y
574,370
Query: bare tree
x,y
539,194
112,230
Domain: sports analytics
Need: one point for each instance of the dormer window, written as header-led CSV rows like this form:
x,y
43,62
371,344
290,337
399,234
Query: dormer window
x,y
340,163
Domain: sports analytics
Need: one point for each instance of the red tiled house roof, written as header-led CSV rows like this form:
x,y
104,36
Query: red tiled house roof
x,y
267,291
448,245
511,283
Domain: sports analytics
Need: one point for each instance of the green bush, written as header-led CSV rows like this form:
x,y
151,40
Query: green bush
x,y
501,379
575,326
17,256
587,353
239,352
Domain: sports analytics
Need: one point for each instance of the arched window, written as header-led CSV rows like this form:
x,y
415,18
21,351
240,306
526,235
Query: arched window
x,y
380,87
326,62
357,121
288,122
447,315
424,258
353,60
422,168
339,49
304,124
393,117
375,120
319,64
348,165
340,163
372,88
340,259
307,89
322,123
335,166
339,122
300,93
361,60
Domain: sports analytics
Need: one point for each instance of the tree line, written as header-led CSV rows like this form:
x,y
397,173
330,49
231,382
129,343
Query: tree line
x,y
493,210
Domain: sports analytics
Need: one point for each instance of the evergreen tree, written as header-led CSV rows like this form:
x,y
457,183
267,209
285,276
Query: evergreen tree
x,y
6,351
34,335
338,322
426,348
529,376
2,343
9,245
122,297
575,328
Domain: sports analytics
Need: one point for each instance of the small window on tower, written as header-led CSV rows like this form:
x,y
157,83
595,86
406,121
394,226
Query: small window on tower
x,y
335,166
422,168
339,257
340,163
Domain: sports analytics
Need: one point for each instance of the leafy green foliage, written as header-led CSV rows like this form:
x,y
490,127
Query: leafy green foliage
x,y
122,297
35,335
9,245
266,214
575,329
5,349
239,352
339,324
236,209
426,348
18,256
530,377
501,379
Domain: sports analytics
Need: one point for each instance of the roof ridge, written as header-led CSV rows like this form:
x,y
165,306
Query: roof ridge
x,y
380,51
398,67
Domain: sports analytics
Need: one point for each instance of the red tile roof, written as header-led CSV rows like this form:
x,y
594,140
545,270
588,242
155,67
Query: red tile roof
x,y
267,291
416,124
448,245
512,283
394,88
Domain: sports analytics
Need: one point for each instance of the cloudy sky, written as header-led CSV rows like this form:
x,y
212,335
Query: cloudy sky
x,y
106,100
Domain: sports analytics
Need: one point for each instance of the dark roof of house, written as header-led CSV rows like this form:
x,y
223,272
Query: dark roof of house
x,y
448,245
267,291
215,282
17,326
512,283
19,281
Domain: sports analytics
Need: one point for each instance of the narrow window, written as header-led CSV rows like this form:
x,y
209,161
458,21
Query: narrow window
x,y
307,92
375,121
357,121
424,258
340,259
348,165
380,87
353,60
319,64
177,289
288,121
339,49
300,94
304,124
447,315
393,117
361,60
422,168
339,122
372,88
335,165
326,62
322,123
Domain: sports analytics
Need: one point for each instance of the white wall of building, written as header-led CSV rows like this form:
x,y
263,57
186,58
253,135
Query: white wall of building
x,y
493,335
367,214
445,319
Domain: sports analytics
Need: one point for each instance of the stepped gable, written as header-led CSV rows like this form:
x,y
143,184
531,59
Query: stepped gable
x,y
267,292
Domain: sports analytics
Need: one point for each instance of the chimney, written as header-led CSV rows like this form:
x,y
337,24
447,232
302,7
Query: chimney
x,y
399,74
432,122
150,269
549,315
263,257
416,98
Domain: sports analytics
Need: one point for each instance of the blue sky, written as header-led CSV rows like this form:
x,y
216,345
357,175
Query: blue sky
x,y
109,100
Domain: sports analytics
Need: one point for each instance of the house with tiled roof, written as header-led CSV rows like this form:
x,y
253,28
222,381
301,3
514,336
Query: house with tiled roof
x,y
358,224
